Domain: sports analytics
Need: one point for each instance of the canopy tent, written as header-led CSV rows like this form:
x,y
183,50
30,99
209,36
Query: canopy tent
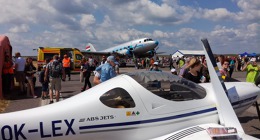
x,y
248,54
182,53
252,55
5,49
244,54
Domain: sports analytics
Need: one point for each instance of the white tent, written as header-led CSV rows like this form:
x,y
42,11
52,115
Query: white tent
x,y
182,53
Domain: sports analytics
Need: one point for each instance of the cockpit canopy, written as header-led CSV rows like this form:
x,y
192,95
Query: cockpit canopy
x,y
169,86
162,84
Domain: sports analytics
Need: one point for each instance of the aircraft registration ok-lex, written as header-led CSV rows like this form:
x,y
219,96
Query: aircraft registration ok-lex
x,y
139,106
144,47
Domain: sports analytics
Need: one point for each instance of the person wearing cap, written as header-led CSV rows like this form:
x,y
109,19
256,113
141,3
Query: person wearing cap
x,y
155,67
173,71
107,70
44,83
252,70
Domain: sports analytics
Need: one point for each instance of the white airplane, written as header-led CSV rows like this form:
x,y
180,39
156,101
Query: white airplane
x,y
144,47
135,106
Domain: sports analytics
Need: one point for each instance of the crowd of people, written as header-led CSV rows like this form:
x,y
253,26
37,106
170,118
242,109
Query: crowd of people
x,y
195,68
56,70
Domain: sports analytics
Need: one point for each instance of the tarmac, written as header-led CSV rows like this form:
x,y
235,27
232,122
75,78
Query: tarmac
x,y
248,118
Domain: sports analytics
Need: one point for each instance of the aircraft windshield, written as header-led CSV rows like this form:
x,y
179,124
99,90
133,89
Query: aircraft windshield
x,y
169,86
148,40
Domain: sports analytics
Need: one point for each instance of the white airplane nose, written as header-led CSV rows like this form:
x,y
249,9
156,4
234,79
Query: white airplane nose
x,y
156,42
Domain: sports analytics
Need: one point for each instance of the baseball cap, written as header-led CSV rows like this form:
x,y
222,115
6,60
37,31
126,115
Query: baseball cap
x,y
253,59
155,63
44,66
112,58
173,70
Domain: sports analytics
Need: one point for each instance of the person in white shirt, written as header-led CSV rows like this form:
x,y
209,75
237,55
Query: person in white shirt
x,y
19,71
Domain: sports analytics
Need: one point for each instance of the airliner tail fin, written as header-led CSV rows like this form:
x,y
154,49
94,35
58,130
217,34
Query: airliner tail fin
x,y
90,48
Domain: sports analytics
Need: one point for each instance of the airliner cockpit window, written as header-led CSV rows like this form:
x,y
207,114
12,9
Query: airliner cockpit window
x,y
169,86
117,98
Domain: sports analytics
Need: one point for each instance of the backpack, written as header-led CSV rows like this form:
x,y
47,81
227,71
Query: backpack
x,y
55,69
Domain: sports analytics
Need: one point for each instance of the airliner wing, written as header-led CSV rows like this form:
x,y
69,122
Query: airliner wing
x,y
95,53
160,52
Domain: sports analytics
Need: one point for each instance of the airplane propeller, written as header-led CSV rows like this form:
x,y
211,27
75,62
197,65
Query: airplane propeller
x,y
226,112
133,51
155,50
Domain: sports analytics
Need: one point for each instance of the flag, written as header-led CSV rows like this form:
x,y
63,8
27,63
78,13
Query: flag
x,y
88,48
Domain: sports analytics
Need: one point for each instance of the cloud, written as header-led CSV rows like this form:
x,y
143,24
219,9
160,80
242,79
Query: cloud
x,y
160,34
145,12
250,10
20,12
31,23
19,29
216,14
87,20
254,27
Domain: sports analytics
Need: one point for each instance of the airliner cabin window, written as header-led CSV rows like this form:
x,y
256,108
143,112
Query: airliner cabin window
x,y
117,98
169,86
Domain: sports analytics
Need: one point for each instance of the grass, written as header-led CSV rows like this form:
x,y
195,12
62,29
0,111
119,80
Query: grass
x,y
3,105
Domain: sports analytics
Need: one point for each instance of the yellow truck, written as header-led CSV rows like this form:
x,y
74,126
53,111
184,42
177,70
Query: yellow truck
x,y
48,53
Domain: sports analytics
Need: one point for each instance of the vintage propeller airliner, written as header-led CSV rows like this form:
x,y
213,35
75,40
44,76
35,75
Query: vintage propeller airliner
x,y
135,106
138,48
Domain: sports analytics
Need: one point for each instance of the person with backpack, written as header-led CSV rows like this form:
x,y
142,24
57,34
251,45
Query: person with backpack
x,y
55,72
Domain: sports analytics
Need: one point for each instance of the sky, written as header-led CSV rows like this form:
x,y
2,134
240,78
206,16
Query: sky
x,y
231,26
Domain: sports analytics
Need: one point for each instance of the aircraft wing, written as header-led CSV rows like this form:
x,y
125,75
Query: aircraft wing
x,y
160,52
102,54
205,132
95,53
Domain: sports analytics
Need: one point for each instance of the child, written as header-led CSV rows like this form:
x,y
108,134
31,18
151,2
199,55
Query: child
x,y
44,84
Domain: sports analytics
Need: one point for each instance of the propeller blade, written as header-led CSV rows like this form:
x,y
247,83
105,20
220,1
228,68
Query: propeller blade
x,y
226,112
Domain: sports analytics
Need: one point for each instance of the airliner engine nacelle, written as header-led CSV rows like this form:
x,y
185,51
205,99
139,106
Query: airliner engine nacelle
x,y
150,53
129,53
